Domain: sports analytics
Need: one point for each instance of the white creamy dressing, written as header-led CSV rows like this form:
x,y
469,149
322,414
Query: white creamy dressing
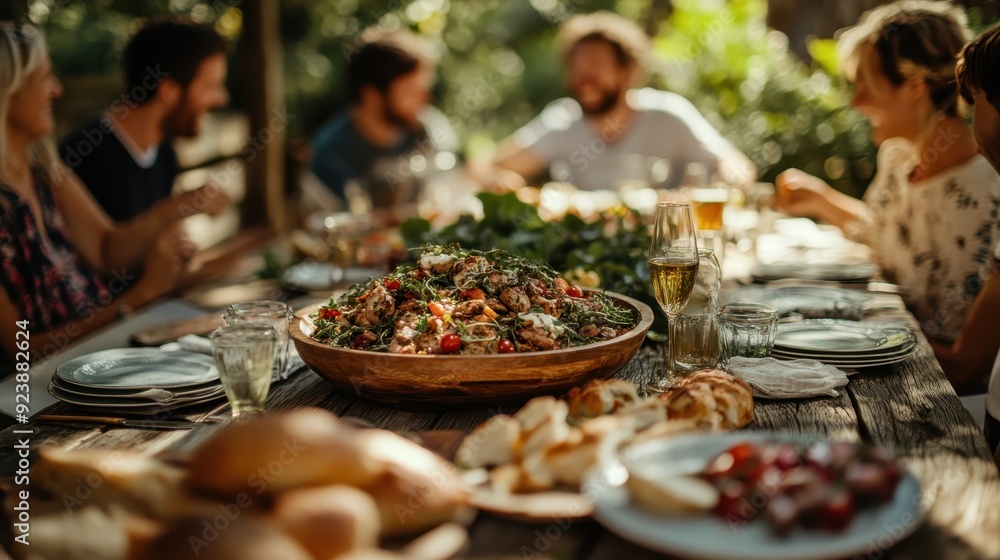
x,y
545,322
430,261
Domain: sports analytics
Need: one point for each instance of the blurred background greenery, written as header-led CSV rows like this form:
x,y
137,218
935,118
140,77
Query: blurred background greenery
x,y
778,100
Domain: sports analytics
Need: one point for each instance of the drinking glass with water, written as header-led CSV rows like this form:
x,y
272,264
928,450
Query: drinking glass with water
x,y
245,355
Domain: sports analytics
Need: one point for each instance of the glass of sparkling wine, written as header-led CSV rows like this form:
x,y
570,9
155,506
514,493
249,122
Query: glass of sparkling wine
x,y
244,354
673,268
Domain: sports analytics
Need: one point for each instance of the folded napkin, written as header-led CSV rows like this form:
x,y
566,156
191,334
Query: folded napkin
x,y
202,345
788,379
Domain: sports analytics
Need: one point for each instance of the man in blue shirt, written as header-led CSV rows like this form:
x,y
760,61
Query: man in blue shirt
x,y
390,133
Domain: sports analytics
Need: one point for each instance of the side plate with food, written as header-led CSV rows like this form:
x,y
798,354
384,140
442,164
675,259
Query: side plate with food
x,y
795,497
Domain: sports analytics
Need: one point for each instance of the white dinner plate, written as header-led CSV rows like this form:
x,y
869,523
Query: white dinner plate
x,y
830,272
707,536
312,276
82,391
139,368
863,356
791,299
136,406
829,336
851,364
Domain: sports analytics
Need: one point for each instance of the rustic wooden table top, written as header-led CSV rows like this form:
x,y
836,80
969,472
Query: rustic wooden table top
x,y
909,407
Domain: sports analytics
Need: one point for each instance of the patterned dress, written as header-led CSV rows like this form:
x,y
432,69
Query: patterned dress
x,y
934,238
43,275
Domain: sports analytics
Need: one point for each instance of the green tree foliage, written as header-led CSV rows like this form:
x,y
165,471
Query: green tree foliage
x,y
498,70
781,113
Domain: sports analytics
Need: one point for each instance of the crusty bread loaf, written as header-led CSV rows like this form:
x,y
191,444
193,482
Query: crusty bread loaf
x,y
417,489
95,477
246,537
279,452
330,520
733,395
494,442
711,396
600,397
87,533
692,401
539,410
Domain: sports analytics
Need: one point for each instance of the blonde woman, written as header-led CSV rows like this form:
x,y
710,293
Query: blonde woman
x,y
930,214
56,245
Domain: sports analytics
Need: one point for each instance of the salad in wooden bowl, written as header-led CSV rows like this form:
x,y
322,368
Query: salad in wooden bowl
x,y
469,327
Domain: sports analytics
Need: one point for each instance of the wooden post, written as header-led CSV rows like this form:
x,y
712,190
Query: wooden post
x,y
263,80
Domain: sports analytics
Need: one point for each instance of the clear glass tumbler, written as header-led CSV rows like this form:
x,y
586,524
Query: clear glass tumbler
x,y
748,330
245,355
271,313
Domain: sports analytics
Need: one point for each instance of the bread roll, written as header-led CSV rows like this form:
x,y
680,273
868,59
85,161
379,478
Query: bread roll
x,y
600,397
330,520
569,462
102,478
417,490
535,474
553,431
734,397
494,442
280,452
220,538
506,478
88,533
692,401
539,410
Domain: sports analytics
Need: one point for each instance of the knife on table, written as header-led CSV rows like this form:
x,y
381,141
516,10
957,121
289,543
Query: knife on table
x,y
134,423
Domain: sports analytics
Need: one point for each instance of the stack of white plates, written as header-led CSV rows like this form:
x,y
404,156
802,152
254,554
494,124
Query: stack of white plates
x,y
842,343
137,380
817,301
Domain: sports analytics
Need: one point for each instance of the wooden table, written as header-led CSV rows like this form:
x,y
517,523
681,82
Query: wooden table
x,y
909,407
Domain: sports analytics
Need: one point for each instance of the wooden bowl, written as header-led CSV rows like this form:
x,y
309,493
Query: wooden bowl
x,y
420,382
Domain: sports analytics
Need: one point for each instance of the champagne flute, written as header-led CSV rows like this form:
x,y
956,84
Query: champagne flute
x,y
673,268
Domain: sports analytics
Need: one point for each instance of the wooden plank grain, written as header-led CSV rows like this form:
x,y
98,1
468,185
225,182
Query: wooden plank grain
x,y
495,537
832,417
912,409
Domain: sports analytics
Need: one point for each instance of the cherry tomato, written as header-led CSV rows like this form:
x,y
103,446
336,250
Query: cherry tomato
x,y
360,342
574,292
474,293
391,284
329,313
451,343
506,347
410,295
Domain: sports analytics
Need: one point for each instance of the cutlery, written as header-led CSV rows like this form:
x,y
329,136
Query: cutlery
x,y
127,422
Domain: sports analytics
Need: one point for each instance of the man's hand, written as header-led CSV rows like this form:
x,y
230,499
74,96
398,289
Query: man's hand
x,y
208,199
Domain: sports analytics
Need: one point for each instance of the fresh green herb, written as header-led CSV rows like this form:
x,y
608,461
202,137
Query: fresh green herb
x,y
465,295
615,247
